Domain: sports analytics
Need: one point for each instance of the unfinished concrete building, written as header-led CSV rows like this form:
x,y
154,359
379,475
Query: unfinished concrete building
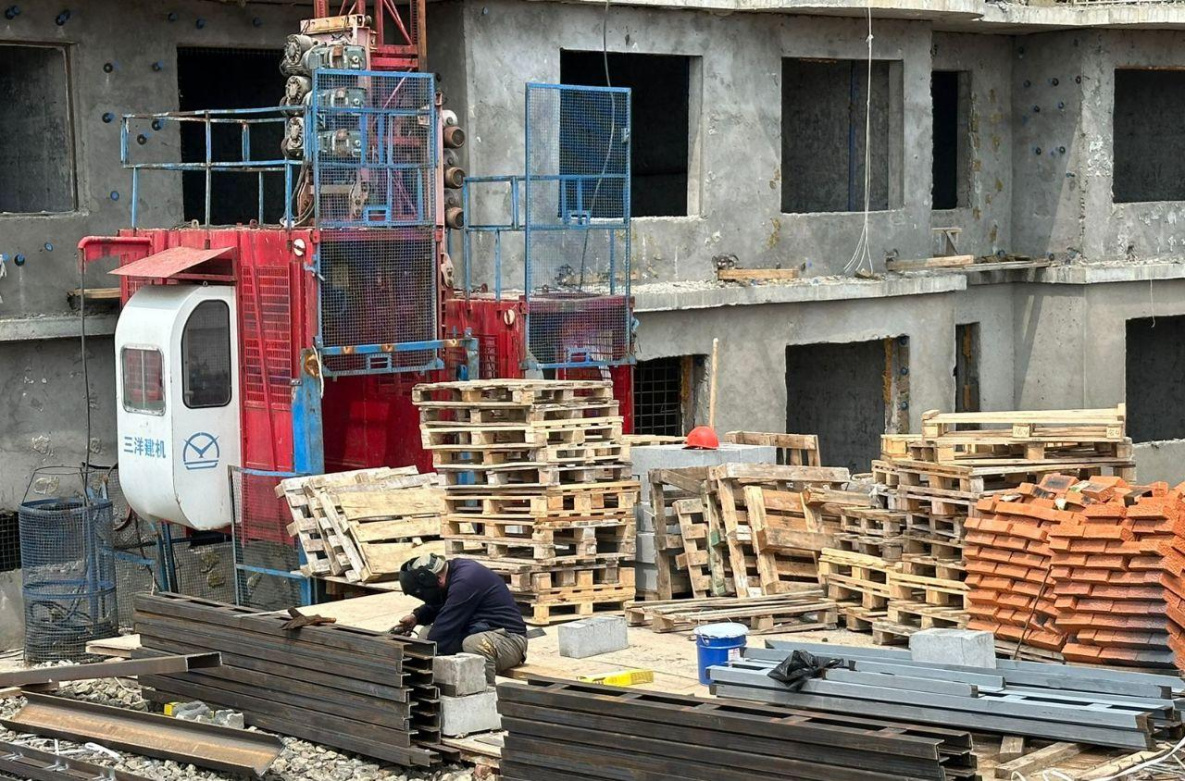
x,y
1044,131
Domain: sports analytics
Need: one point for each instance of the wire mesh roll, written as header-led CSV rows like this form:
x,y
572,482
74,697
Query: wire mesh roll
x,y
68,569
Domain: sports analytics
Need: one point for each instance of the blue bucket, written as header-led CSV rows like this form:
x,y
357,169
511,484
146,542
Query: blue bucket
x,y
717,645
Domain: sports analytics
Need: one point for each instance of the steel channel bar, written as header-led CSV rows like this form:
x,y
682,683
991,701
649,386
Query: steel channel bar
x,y
188,742
997,706
1078,733
760,723
265,703
30,763
1041,674
121,669
798,760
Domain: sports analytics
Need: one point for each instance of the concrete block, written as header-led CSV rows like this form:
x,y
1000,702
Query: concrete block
x,y
469,714
966,647
645,551
460,674
645,577
592,636
647,457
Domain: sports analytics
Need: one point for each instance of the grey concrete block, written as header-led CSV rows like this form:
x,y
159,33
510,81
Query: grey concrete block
x,y
645,551
966,647
469,714
459,674
645,577
592,636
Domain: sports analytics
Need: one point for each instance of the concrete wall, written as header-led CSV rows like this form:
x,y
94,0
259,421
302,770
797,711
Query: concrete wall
x,y
41,420
752,373
986,220
510,42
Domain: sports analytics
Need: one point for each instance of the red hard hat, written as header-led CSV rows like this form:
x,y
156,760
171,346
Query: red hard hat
x,y
702,438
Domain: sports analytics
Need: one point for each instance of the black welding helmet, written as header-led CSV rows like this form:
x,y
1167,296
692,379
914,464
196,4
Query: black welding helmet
x,y
420,577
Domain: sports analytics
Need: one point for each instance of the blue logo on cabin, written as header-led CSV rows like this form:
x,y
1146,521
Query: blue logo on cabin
x,y
201,451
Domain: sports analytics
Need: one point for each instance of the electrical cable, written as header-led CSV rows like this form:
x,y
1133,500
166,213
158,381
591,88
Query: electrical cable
x,y
592,209
862,254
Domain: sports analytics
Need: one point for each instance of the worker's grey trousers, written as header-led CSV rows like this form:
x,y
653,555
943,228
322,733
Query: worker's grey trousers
x,y
501,649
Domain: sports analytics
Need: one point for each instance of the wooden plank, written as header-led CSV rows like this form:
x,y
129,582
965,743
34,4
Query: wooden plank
x,y
756,274
121,647
377,531
950,261
368,504
1041,759
1117,765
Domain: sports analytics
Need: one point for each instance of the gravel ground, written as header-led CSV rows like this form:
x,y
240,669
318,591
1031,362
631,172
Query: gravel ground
x,y
300,760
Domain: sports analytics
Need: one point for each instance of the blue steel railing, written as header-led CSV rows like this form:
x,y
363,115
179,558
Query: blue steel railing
x,y
497,229
247,119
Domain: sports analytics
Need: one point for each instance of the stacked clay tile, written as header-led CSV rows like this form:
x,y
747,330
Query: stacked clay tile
x,y
1116,568
1009,559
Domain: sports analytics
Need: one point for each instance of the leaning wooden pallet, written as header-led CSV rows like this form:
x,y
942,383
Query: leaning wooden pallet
x,y
684,505
773,533
538,488
363,525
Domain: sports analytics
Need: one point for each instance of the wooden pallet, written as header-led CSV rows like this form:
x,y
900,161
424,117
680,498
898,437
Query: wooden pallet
x,y
524,477
1080,425
605,573
857,618
928,590
581,500
667,487
887,548
931,567
363,525
920,616
545,614
458,436
481,413
461,457
501,540
766,515
851,577
510,391
798,612
792,449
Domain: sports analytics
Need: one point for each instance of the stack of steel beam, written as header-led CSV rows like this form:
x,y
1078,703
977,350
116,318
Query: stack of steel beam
x,y
1100,706
353,689
565,731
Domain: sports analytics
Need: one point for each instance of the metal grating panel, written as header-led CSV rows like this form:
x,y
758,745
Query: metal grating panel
x,y
374,152
265,300
265,555
577,224
658,397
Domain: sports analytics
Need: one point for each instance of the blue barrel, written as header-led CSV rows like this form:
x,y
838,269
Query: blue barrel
x,y
718,644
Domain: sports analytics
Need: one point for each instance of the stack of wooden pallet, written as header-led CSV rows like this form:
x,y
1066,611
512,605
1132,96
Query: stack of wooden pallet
x,y
538,488
933,482
362,525
360,691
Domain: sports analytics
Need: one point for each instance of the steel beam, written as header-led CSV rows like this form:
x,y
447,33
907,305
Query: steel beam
x,y
29,763
188,742
125,668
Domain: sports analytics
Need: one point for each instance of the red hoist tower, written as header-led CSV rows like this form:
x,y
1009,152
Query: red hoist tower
x,y
251,352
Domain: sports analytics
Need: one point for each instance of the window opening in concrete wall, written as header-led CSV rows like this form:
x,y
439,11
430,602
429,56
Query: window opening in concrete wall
x,y
660,142
950,94
205,356
143,380
1154,364
848,394
967,367
36,145
824,106
223,79
1149,136
665,394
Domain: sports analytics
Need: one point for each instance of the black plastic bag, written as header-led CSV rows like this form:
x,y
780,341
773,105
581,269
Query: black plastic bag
x,y
799,667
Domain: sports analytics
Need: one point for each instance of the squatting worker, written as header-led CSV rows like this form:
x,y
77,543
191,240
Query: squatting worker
x,y
466,608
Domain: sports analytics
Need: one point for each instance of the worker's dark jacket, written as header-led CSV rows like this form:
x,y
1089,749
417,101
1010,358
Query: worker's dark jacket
x,y
475,600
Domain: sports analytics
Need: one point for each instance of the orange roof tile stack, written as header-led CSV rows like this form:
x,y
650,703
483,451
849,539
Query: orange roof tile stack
x,y
1116,567
1009,559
